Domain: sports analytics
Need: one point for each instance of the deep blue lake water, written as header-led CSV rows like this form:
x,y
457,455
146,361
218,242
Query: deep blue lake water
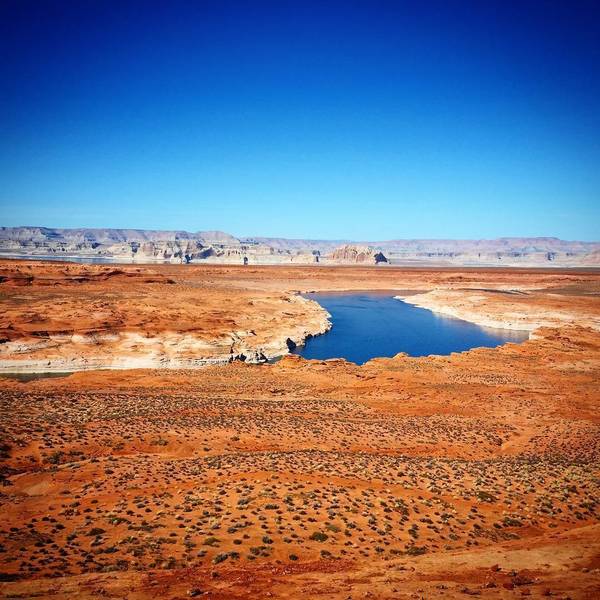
x,y
371,324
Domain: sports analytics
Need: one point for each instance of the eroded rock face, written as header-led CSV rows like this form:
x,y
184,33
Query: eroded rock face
x,y
79,317
357,255
118,244
145,246
65,316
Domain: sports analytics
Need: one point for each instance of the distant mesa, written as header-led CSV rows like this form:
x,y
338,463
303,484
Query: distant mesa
x,y
358,255
183,247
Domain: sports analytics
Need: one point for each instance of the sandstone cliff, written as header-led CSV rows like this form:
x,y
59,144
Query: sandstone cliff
x,y
144,246
357,255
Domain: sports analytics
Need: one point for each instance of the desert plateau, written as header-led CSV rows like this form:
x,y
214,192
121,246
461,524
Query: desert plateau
x,y
167,459
219,247
299,300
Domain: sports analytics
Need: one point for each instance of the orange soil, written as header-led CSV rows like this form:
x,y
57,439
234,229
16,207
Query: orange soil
x,y
65,316
471,474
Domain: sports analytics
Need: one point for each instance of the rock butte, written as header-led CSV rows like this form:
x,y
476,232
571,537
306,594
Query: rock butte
x,y
147,246
470,474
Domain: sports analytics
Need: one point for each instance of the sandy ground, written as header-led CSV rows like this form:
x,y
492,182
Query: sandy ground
x,y
470,474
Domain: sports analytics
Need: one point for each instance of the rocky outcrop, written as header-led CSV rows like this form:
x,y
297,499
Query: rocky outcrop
x,y
362,255
145,246
131,245
539,251
80,317
507,309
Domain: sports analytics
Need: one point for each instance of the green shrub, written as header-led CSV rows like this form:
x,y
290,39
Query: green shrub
x,y
485,496
416,550
211,541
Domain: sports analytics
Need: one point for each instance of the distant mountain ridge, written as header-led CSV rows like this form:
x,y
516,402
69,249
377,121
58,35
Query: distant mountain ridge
x,y
143,245
105,235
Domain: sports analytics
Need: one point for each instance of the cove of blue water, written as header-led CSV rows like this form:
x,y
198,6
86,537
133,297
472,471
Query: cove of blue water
x,y
367,325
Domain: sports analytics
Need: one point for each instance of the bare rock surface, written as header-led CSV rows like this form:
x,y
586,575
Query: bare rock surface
x,y
144,246
362,255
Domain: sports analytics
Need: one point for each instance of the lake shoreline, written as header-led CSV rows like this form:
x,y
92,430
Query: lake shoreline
x,y
369,325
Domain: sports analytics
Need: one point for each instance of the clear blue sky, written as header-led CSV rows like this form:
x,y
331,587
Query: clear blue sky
x,y
363,120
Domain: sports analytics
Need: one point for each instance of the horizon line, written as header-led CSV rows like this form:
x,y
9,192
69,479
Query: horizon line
x,y
310,239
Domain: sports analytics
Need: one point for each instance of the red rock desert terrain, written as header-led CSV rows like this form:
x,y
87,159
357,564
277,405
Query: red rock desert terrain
x,y
171,465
